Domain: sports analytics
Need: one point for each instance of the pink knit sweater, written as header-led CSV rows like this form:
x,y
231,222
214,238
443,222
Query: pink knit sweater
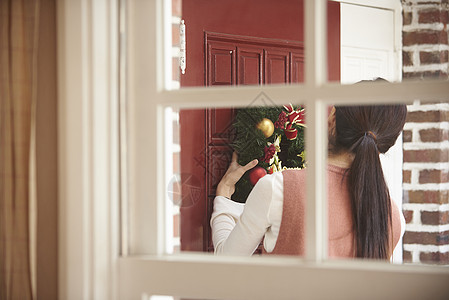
x,y
341,238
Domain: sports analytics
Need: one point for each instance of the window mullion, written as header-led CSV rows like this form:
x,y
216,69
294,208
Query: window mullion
x,y
316,72
363,93
315,42
316,210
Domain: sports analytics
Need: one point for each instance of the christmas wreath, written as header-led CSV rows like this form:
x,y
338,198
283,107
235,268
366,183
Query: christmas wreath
x,y
273,135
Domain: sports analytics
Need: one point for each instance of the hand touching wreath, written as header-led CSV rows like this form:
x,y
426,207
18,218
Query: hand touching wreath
x,y
226,186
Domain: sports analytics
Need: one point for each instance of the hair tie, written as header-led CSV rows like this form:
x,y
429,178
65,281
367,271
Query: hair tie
x,y
371,134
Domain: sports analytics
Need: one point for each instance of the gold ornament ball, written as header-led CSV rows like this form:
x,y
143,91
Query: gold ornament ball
x,y
266,126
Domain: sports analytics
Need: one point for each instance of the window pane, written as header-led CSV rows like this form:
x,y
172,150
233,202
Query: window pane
x,y
202,148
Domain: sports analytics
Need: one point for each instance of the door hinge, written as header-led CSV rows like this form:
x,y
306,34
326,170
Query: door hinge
x,y
182,51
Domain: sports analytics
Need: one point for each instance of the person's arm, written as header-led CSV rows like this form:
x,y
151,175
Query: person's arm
x,y
237,228
223,220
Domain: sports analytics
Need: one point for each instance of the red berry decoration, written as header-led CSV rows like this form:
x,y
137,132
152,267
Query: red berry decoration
x,y
291,133
255,174
270,151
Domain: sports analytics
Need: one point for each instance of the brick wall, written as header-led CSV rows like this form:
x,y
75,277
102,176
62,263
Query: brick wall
x,y
425,38
426,145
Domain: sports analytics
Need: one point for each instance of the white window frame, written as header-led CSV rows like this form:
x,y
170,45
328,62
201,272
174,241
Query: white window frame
x,y
90,264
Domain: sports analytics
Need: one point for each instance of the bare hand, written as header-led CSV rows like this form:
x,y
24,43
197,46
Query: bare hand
x,y
226,186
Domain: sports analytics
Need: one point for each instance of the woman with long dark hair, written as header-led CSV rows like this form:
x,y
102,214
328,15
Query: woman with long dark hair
x,y
364,221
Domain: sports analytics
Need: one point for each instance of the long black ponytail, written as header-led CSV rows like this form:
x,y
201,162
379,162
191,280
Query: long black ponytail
x,y
367,131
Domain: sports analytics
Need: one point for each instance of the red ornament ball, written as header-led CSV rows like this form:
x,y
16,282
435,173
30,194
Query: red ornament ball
x,y
255,174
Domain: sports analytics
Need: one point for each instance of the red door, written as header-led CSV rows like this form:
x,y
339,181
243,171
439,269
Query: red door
x,y
235,42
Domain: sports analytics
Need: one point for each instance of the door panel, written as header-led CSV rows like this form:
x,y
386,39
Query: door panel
x,y
297,68
277,64
219,127
259,60
250,65
222,64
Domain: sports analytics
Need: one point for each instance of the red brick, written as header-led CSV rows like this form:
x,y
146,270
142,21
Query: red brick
x,y
424,37
439,197
407,58
434,135
406,256
444,17
175,35
434,57
407,136
429,16
436,258
433,176
425,75
426,238
430,155
407,18
408,215
406,176
176,8
444,56
428,116
426,58
433,16
435,217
